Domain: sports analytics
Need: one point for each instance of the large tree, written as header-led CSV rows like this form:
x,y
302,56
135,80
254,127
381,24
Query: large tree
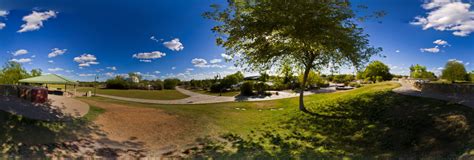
x,y
453,71
312,34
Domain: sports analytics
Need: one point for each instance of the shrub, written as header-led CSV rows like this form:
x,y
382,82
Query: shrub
x,y
261,88
246,89
217,87
171,83
354,84
117,83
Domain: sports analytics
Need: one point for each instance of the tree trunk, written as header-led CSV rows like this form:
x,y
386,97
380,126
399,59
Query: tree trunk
x,y
302,88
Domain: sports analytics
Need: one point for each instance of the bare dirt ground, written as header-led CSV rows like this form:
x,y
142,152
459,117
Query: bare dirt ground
x,y
158,131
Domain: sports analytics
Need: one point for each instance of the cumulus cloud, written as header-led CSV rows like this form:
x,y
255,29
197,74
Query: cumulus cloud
x,y
202,63
56,52
55,69
173,68
2,25
214,61
86,60
447,15
441,42
22,60
226,57
50,61
432,50
34,21
157,72
20,52
4,13
113,68
148,56
109,74
174,45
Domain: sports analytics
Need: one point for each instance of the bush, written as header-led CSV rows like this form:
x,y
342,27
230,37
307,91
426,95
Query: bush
x,y
171,83
217,87
117,83
261,88
246,89
355,84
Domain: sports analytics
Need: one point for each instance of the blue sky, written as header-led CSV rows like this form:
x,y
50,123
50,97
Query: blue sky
x,y
163,39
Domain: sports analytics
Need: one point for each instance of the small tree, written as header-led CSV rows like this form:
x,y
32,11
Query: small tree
x,y
12,72
309,34
171,83
419,71
454,71
377,68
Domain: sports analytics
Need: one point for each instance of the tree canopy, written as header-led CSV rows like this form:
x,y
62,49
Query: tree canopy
x,y
12,72
419,71
310,34
377,69
454,71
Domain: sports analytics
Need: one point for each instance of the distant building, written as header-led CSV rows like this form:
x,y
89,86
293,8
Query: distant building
x,y
135,79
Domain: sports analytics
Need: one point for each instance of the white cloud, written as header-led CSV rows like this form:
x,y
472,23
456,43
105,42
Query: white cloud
x,y
55,69
455,60
173,68
202,63
20,52
174,45
157,72
467,63
398,51
226,57
22,60
109,74
56,52
50,61
148,56
86,75
69,71
189,69
447,15
432,50
113,68
86,60
2,25
4,13
441,42
34,21
214,61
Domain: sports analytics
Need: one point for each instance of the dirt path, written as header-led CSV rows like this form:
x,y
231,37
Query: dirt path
x,y
408,89
157,130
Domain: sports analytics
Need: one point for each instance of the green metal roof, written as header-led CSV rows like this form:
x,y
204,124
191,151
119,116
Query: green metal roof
x,y
48,79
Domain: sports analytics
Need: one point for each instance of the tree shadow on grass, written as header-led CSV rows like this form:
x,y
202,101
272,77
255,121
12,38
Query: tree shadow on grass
x,y
381,125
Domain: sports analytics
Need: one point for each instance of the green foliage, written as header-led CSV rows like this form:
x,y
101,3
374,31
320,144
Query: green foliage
x,y
232,79
36,72
419,71
261,88
377,68
454,71
343,78
314,79
246,89
355,84
117,83
171,83
12,72
286,71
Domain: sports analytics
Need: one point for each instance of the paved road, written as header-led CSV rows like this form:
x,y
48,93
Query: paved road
x,y
408,89
197,98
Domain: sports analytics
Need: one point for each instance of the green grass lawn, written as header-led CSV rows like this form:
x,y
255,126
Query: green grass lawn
x,y
369,122
143,94
227,94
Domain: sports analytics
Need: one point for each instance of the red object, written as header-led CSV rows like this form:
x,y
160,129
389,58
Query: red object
x,y
39,95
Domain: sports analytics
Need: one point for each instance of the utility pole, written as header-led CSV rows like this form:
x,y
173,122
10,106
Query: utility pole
x,y
95,84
